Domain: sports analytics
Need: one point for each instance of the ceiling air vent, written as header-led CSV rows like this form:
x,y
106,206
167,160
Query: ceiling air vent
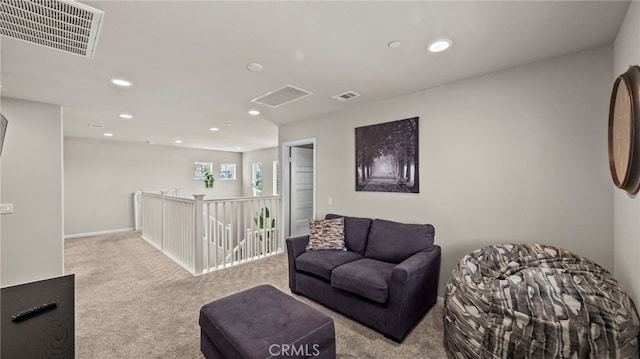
x,y
95,125
63,25
345,96
281,96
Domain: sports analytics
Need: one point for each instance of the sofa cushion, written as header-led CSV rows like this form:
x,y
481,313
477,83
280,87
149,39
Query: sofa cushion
x,y
394,242
326,234
321,263
356,231
365,277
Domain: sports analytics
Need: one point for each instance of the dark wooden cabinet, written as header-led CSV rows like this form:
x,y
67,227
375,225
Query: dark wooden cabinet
x,y
49,334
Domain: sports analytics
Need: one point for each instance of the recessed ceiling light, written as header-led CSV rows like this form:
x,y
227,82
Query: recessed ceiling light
x,y
108,134
177,141
254,112
214,129
126,115
121,82
255,67
394,44
229,123
439,45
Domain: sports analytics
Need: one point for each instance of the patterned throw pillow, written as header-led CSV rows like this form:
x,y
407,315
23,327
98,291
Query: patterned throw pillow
x,y
326,234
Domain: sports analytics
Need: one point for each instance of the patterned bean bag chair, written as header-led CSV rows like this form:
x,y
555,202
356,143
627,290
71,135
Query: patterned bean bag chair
x,y
536,301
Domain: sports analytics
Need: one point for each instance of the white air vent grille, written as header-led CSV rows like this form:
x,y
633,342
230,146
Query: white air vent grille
x,y
281,96
63,25
345,96
96,125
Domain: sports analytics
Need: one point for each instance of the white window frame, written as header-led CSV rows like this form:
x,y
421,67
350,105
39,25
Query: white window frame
x,y
276,178
223,170
254,185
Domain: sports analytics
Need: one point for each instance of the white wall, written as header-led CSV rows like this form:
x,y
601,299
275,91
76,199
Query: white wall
x,y
101,177
514,156
627,208
266,156
32,237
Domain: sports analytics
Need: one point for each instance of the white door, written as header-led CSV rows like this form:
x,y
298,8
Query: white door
x,y
301,190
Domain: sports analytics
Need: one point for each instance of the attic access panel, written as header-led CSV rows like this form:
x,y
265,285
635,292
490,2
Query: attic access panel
x,y
281,96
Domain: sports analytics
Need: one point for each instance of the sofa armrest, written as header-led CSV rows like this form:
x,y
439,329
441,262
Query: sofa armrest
x,y
413,289
295,247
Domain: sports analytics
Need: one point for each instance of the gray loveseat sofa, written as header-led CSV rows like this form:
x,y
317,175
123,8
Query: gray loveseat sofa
x,y
387,278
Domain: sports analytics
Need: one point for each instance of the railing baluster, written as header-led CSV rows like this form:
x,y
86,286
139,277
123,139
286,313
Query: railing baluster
x,y
188,246
198,266
207,264
216,239
253,226
263,233
162,221
173,220
270,230
185,233
224,234
239,233
181,231
188,236
263,211
246,220
276,219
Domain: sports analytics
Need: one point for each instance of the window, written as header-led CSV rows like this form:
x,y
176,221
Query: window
x,y
257,179
276,178
201,168
228,171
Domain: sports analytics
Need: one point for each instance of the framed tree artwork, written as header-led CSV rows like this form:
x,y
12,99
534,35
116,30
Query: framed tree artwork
x,y
387,157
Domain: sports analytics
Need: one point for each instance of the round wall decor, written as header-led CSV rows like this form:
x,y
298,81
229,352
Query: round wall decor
x,y
624,131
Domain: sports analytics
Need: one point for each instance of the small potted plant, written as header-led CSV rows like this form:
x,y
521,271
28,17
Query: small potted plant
x,y
263,220
208,178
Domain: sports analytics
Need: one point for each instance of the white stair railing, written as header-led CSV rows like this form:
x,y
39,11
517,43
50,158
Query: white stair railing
x,y
237,252
204,235
250,230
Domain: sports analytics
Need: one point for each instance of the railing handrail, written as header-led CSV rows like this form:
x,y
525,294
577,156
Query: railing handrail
x,y
239,199
169,198
186,198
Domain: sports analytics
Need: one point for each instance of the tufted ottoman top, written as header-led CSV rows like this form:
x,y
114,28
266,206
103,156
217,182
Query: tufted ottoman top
x,y
534,301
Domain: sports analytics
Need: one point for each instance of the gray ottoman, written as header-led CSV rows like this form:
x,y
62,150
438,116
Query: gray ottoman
x,y
262,322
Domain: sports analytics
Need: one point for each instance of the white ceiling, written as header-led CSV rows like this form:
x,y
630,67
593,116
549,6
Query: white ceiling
x,y
188,60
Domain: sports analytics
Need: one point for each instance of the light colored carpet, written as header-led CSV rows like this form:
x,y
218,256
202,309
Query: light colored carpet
x,y
133,302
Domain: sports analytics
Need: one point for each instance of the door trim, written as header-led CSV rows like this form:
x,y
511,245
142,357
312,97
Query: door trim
x,y
286,181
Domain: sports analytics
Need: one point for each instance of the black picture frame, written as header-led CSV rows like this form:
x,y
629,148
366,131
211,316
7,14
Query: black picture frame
x,y
387,157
